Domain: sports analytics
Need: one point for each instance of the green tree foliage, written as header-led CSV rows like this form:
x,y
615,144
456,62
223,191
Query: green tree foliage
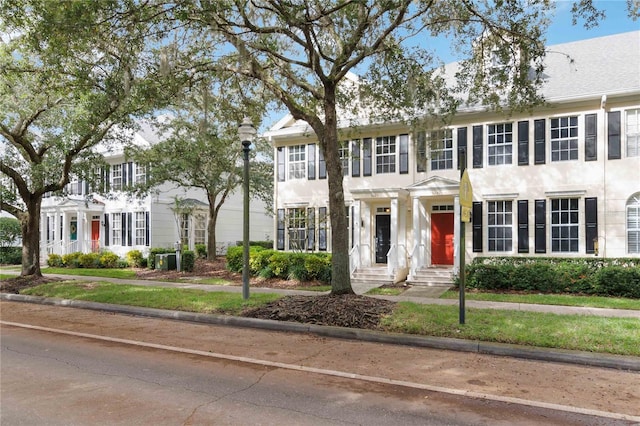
x,y
9,231
71,72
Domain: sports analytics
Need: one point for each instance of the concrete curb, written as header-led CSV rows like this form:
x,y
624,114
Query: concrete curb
x,y
516,351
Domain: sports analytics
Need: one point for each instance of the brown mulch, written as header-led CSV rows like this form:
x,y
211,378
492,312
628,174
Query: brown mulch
x,y
346,310
15,285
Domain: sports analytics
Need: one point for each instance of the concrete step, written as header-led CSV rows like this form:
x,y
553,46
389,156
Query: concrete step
x,y
433,276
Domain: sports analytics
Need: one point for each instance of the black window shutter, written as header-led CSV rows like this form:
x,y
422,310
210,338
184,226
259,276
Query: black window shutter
x,y
404,154
613,135
130,167
322,228
523,226
366,157
476,217
355,158
477,146
125,177
523,144
311,229
462,147
591,137
282,175
129,229
280,236
322,166
123,229
539,135
541,226
106,179
146,229
106,229
591,222
311,162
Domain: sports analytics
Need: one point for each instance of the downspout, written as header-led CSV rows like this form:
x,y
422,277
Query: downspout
x,y
603,106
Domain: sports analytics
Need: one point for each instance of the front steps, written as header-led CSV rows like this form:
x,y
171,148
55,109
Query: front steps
x,y
367,278
435,276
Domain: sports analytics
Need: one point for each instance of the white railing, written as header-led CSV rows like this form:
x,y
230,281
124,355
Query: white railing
x,y
392,259
366,249
354,259
72,247
402,256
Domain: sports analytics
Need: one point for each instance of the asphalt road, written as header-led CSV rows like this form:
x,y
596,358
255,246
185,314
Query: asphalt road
x,y
198,374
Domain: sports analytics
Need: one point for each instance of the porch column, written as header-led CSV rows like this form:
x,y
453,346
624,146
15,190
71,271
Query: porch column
x,y
416,251
425,236
402,234
357,229
82,217
367,250
57,241
393,236
456,234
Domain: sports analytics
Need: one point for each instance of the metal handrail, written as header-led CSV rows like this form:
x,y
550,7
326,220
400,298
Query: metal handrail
x,y
392,259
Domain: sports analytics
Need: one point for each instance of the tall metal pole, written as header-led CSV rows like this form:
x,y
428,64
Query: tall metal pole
x,y
245,229
463,166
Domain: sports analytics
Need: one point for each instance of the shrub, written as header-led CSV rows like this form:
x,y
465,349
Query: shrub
x,y
234,259
89,260
11,255
109,260
618,281
188,260
487,277
318,266
70,260
134,258
259,259
55,260
201,251
264,244
279,263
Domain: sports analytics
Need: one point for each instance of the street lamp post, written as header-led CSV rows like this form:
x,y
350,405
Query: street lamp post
x,y
246,131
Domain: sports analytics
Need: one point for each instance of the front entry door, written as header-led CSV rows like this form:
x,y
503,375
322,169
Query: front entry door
x,y
95,236
442,239
383,237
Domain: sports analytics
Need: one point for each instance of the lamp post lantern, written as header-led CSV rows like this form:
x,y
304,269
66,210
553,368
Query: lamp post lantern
x,y
246,132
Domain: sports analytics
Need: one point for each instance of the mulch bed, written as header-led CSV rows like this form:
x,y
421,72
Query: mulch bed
x,y
14,285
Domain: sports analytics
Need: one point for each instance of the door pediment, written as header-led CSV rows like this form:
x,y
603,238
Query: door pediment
x,y
434,186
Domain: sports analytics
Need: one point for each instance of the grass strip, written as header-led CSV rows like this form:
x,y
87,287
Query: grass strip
x,y
188,300
550,299
574,332
93,272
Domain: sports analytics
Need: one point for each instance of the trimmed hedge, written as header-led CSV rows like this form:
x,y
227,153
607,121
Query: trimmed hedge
x,y
268,263
187,260
10,255
606,277
78,259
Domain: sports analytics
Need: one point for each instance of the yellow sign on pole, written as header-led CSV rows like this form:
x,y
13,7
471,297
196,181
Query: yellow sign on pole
x,y
466,197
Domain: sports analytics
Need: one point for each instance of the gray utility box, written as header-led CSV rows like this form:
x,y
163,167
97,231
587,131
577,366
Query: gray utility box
x,y
166,261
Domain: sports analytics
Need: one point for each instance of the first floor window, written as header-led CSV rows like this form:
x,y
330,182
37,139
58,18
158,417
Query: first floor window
x,y
633,133
633,224
184,228
564,138
297,162
564,225
116,229
140,228
297,229
199,228
500,225
441,148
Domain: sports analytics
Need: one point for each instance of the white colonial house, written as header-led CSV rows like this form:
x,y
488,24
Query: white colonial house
x,y
82,221
563,180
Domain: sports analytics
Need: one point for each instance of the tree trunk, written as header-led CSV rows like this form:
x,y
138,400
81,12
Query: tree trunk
x,y
30,223
340,273
211,233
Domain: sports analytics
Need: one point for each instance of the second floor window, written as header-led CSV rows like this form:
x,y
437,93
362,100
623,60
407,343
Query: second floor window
x,y
499,143
564,138
441,149
116,177
297,162
344,158
633,133
386,154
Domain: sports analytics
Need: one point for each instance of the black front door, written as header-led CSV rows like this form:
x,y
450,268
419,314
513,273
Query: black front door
x,y
383,237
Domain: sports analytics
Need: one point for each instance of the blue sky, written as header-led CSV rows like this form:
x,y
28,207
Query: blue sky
x,y
561,30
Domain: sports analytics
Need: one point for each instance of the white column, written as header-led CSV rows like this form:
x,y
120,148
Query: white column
x,y
82,217
367,250
402,234
425,236
417,254
393,262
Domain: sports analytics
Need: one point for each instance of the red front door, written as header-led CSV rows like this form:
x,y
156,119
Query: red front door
x,y
95,235
442,239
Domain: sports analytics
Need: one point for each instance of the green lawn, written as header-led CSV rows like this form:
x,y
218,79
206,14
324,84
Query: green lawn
x,y
93,272
549,299
596,334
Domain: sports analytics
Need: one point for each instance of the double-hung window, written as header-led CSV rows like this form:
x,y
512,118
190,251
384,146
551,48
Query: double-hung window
x,y
199,228
140,228
441,148
344,158
633,224
184,228
500,225
297,229
141,174
564,225
564,138
116,177
500,143
633,133
297,162
386,154
116,229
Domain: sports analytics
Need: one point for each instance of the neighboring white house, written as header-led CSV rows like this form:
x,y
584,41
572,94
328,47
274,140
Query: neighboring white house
x,y
563,180
87,222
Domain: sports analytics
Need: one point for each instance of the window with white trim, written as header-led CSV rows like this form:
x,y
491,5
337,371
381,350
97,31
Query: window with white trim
x,y
140,228
141,173
344,158
633,132
297,162
386,154
441,149
564,225
500,143
500,225
564,138
297,229
633,224
184,228
116,229
116,177
199,228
